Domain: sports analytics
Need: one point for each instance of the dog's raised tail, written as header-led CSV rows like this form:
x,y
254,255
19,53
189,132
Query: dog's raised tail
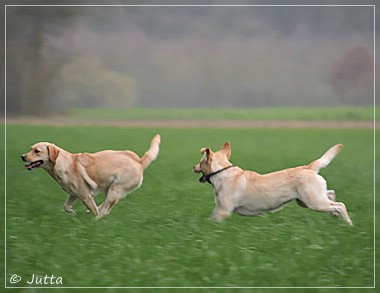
x,y
152,153
325,160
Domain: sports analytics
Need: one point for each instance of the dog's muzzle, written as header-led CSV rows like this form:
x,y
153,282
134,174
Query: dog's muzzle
x,y
33,165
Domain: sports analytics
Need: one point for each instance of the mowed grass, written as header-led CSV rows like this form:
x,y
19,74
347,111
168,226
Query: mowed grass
x,y
273,113
160,235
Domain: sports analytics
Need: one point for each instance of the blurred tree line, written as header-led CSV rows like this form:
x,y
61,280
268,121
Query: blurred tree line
x,y
30,71
64,57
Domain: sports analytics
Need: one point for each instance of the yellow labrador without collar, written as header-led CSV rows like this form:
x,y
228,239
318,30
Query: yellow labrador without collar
x,y
84,175
250,193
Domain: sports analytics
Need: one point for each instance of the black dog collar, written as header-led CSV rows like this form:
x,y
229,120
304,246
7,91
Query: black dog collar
x,y
206,178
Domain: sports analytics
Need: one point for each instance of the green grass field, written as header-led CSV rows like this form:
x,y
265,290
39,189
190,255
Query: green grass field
x,y
295,113
161,236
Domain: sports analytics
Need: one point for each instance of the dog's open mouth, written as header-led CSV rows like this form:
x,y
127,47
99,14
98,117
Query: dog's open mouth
x,y
34,165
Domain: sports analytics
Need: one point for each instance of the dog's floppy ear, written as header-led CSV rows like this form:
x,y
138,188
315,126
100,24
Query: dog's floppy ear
x,y
226,149
208,153
53,152
204,150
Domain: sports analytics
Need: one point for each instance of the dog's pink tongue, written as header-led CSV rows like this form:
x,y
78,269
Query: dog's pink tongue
x,y
29,166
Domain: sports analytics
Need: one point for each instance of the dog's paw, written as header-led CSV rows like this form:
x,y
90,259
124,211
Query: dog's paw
x,y
335,214
69,210
219,216
100,216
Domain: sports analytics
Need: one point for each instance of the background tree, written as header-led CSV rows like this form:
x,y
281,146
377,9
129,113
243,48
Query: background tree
x,y
351,76
31,64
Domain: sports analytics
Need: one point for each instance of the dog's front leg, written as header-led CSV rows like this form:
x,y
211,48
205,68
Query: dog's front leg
x,y
223,208
219,214
68,204
89,202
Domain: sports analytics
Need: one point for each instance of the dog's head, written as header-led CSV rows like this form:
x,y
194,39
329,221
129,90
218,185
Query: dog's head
x,y
213,161
42,154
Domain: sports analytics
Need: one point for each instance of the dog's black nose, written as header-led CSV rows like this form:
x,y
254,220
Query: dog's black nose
x,y
23,158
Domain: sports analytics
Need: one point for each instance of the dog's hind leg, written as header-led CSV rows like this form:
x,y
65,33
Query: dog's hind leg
x,y
333,207
114,194
339,208
331,195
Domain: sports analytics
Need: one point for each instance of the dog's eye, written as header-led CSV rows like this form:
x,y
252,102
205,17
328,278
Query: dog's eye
x,y
36,151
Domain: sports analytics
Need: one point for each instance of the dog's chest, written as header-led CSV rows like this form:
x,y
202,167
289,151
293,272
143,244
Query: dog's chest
x,y
66,181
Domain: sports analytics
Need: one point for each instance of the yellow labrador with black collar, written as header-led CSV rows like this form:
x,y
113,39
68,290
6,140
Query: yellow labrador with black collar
x,y
84,175
250,193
